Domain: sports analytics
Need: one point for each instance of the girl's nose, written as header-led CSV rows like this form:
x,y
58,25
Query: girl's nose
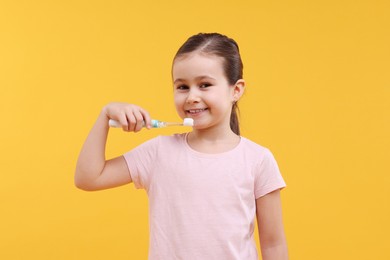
x,y
193,97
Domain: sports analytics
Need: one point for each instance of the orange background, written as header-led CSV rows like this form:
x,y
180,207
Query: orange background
x,y
318,95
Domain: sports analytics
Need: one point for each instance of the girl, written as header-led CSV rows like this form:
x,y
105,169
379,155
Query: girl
x,y
205,187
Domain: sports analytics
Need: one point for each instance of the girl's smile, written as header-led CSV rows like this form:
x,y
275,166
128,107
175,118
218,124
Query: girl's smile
x,y
195,112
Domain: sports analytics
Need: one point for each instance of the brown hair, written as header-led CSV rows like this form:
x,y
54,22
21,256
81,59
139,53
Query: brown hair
x,y
226,48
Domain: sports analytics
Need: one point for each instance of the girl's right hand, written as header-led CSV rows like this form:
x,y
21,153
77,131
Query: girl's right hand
x,y
131,117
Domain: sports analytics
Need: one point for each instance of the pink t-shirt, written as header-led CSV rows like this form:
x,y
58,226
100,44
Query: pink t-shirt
x,y
202,206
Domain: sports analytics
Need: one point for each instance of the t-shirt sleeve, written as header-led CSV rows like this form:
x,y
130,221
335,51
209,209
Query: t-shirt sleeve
x,y
140,162
267,175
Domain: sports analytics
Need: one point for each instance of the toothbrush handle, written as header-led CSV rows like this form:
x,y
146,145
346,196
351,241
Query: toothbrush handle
x,y
114,123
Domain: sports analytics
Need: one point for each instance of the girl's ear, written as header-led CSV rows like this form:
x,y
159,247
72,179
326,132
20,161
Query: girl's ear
x,y
238,89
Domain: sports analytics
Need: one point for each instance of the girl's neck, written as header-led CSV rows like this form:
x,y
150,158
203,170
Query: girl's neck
x,y
212,140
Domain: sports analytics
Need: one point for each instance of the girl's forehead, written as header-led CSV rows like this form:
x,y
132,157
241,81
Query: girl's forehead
x,y
197,55
194,63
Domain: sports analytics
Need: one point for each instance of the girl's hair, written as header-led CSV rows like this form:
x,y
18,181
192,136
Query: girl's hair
x,y
226,48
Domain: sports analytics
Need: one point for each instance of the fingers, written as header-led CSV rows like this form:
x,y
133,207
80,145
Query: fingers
x,y
135,120
128,125
131,117
146,118
139,121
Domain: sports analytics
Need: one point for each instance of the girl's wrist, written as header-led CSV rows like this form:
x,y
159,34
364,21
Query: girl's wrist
x,y
104,115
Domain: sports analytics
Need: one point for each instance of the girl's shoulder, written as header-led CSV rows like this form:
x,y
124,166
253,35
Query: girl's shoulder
x,y
252,146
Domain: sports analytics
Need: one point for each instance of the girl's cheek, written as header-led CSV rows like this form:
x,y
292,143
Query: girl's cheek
x,y
179,104
179,100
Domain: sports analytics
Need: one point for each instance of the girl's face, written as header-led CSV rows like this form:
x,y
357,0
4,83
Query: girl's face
x,y
202,92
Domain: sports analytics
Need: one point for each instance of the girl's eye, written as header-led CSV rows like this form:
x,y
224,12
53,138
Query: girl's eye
x,y
205,85
182,87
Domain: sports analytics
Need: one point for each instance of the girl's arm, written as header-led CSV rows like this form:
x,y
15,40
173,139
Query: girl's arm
x,y
93,171
271,232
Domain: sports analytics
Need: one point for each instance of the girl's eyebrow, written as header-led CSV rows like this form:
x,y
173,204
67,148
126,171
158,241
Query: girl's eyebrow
x,y
197,79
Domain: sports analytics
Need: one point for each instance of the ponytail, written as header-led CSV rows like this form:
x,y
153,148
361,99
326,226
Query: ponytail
x,y
234,123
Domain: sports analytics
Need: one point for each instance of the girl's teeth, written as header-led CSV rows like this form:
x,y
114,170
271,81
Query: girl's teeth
x,y
196,110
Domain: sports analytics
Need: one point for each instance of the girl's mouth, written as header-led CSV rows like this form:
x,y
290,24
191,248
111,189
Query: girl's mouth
x,y
195,111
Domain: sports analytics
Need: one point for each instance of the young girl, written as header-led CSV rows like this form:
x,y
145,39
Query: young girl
x,y
205,187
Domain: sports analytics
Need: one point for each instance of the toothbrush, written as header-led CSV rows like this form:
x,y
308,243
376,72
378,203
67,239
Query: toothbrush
x,y
157,123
